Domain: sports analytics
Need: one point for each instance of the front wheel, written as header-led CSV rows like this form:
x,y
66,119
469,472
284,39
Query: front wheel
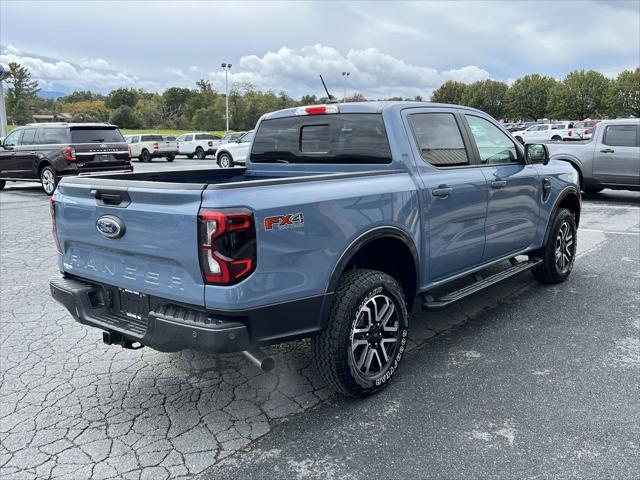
x,y
200,155
559,251
49,180
225,161
361,348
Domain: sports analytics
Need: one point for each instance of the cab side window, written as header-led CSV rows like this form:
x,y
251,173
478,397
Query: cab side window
x,y
439,139
13,138
621,136
494,146
53,136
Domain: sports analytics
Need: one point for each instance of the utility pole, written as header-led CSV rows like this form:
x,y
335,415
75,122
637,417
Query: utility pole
x,y
345,75
4,73
226,67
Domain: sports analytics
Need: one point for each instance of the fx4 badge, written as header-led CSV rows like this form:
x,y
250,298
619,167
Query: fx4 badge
x,y
290,220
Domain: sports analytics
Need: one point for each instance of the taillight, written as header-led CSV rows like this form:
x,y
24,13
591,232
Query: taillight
x,y
317,110
155,145
570,133
210,143
586,131
69,153
54,229
227,242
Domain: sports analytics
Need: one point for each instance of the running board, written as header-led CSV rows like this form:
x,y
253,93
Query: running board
x,y
431,304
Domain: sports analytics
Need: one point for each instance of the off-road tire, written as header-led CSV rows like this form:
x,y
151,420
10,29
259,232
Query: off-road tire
x,y
145,156
229,160
49,180
548,271
332,348
200,155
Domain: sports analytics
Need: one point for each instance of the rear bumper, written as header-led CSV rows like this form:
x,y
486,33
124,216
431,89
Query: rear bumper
x,y
163,153
171,327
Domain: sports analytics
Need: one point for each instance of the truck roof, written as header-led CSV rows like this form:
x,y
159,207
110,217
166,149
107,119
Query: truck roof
x,y
370,107
73,125
619,120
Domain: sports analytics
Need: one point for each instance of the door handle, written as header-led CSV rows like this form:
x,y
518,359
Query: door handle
x,y
498,184
607,150
442,192
32,152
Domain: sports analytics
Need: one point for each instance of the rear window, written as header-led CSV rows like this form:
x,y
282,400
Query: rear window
x,y
204,136
95,135
151,138
349,138
53,136
620,136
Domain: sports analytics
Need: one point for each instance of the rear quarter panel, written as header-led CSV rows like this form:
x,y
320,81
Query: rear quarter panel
x,y
295,263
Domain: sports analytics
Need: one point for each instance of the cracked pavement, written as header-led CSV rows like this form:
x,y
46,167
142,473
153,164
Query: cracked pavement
x,y
72,407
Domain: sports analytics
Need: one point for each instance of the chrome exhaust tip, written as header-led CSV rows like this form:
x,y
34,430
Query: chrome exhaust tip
x,y
260,359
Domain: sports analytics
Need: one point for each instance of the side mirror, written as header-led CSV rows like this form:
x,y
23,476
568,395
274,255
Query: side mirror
x,y
536,153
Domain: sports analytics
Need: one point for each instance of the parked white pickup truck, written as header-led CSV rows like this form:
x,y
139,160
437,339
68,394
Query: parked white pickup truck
x,y
148,146
546,131
198,144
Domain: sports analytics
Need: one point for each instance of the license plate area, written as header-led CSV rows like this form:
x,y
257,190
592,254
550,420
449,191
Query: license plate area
x,y
132,304
103,158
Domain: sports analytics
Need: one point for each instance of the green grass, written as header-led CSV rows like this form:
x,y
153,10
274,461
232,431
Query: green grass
x,y
161,131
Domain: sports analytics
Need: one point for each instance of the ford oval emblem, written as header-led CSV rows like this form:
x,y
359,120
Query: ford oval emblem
x,y
110,226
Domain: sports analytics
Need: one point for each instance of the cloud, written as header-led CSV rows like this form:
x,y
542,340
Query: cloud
x,y
92,74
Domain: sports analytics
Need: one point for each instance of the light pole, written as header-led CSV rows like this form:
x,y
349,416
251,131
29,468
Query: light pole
x,y
4,73
345,75
226,67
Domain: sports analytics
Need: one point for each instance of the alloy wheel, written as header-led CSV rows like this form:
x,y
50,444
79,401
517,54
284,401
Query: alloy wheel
x,y
48,181
565,248
375,336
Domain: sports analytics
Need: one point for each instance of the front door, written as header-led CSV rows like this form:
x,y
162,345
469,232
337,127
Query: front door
x,y
8,153
26,158
240,154
514,189
617,155
453,196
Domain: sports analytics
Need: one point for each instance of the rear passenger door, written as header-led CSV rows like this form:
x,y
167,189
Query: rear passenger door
x,y
454,193
617,155
514,189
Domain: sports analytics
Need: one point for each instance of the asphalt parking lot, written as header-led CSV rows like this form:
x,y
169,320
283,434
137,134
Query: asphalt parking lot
x,y
520,381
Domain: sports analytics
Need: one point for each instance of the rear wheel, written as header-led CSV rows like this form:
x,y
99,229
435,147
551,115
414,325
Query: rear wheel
x,y
225,160
170,158
145,156
559,251
49,180
200,155
556,138
363,344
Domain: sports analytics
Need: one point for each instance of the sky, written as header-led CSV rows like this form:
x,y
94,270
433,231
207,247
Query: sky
x,y
390,48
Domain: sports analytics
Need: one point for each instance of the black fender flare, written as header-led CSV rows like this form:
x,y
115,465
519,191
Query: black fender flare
x,y
561,196
575,164
364,239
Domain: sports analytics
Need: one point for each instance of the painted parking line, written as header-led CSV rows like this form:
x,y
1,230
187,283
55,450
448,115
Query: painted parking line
x,y
616,232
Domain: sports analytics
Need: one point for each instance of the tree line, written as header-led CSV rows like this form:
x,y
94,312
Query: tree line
x,y
581,94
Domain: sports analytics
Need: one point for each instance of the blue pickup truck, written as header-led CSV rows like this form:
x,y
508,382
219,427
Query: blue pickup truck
x,y
344,215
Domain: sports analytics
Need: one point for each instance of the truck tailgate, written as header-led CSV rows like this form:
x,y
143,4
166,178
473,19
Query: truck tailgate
x,y
157,250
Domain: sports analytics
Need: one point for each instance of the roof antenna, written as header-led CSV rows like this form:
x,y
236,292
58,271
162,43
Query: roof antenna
x,y
331,98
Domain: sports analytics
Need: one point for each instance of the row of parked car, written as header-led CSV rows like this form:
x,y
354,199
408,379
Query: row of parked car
x,y
228,151
531,132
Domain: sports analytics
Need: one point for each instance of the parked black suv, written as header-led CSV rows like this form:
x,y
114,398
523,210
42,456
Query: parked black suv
x,y
45,152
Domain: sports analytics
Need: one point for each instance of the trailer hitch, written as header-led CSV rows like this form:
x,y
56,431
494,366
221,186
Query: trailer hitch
x,y
113,338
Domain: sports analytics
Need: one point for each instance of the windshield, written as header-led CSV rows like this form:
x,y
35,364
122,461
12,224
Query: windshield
x,y
95,135
353,138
